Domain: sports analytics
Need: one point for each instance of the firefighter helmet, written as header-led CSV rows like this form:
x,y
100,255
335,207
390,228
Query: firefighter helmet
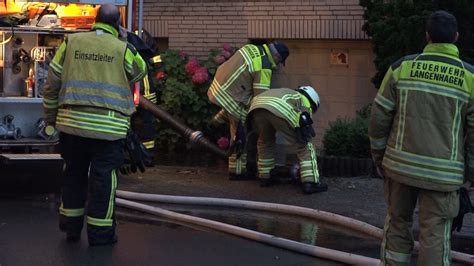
x,y
311,94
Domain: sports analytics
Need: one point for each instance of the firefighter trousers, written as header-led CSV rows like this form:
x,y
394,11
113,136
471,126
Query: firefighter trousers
x,y
237,162
436,212
267,124
144,125
90,174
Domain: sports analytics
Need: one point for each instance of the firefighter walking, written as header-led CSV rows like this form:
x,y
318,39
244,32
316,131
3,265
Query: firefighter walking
x,y
88,99
421,129
246,74
288,112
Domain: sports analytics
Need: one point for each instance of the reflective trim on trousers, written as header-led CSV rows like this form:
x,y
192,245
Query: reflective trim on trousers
x,y
71,212
99,222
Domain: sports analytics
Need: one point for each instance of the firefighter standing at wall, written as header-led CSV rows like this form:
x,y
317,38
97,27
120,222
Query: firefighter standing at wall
x,y
422,123
246,74
88,99
143,122
288,112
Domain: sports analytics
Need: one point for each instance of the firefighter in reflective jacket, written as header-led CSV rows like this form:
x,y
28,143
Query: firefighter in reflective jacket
x,y
88,99
288,112
143,122
422,140
246,74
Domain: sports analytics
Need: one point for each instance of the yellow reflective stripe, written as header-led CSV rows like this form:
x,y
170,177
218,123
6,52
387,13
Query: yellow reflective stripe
x,y
227,101
99,222
149,144
306,163
146,84
71,212
448,165
422,172
261,87
50,103
155,59
447,242
455,132
237,164
130,59
247,59
378,143
101,118
113,187
398,257
282,106
401,119
91,127
56,62
384,102
447,91
313,161
102,92
232,78
265,79
269,55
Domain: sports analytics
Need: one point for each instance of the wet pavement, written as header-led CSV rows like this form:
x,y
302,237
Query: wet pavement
x,y
29,236
29,233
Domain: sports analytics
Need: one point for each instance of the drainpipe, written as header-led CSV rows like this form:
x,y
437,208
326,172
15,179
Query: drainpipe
x,y
140,18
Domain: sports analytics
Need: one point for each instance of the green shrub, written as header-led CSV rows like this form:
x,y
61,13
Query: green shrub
x,y
349,137
183,99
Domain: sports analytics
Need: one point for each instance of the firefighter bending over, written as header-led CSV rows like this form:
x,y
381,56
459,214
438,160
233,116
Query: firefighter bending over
x,y
246,74
288,112
89,101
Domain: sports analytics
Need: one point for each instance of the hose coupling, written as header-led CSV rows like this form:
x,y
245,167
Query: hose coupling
x,y
195,136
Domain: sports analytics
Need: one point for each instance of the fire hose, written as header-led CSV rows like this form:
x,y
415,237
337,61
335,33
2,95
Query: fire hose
x,y
196,137
325,253
339,220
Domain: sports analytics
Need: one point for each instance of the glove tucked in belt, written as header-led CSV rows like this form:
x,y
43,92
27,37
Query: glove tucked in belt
x,y
135,153
239,139
465,206
305,131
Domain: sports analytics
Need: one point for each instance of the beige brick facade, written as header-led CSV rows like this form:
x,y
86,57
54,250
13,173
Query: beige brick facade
x,y
198,25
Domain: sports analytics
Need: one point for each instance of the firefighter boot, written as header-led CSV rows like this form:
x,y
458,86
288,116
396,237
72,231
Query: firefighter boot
x,y
273,179
72,226
311,187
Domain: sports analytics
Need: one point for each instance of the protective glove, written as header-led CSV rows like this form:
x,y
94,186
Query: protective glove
x,y
137,152
127,169
465,206
218,121
305,131
239,139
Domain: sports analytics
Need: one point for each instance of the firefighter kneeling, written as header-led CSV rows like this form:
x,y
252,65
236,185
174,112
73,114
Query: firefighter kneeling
x,y
288,112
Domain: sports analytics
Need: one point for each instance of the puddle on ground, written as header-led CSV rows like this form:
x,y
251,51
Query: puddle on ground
x,y
294,228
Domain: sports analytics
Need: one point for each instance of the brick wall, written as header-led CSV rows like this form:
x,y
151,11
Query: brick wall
x,y
311,28
199,25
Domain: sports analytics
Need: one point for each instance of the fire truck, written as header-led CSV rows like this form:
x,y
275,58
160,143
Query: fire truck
x,y
30,33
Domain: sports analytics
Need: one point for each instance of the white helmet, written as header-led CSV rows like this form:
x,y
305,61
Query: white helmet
x,y
311,93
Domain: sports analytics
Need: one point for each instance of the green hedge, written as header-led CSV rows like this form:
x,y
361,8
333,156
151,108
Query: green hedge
x,y
349,137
